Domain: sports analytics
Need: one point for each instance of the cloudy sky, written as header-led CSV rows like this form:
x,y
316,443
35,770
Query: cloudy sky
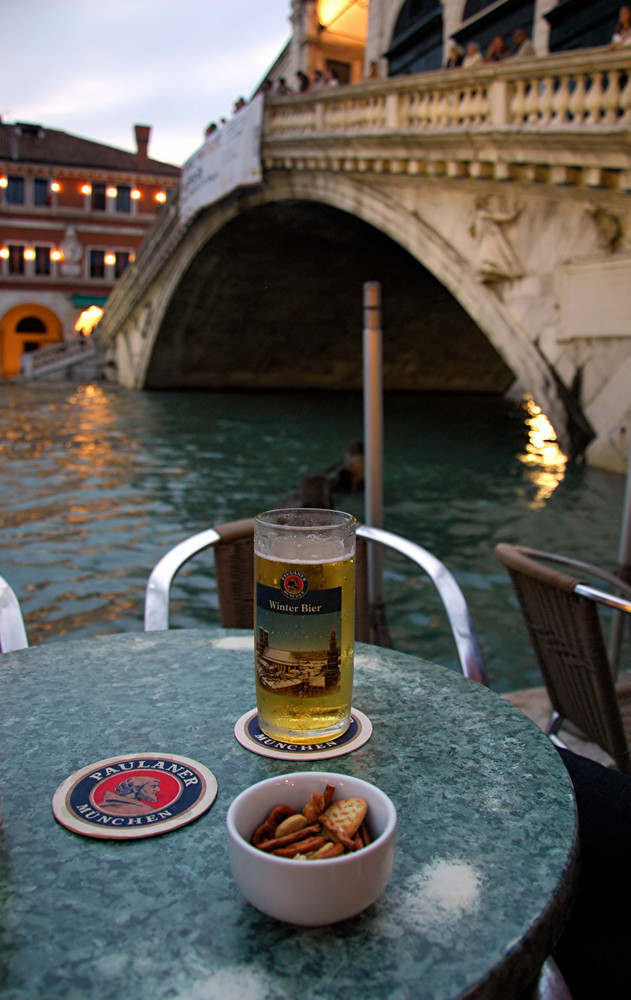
x,y
97,67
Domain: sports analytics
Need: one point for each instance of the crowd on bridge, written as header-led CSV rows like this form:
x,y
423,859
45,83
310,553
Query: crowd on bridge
x,y
520,47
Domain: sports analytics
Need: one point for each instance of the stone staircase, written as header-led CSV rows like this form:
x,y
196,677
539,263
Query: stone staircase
x,y
79,357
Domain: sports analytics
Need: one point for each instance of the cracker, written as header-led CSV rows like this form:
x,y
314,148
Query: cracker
x,y
347,814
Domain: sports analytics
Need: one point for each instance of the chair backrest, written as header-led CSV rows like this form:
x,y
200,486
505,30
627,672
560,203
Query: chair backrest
x,y
562,619
234,564
12,630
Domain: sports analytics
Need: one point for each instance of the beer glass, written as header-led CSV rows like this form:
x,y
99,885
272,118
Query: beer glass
x,y
304,622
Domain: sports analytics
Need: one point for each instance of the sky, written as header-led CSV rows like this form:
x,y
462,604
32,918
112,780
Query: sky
x,y
95,68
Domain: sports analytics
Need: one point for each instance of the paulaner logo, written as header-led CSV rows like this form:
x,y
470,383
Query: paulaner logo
x,y
137,796
294,584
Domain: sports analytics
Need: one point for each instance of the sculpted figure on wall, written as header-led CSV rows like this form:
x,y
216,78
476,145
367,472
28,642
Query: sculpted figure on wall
x,y
608,226
72,252
496,259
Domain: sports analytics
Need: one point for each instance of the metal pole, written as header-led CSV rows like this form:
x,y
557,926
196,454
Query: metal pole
x,y
373,431
624,552
623,570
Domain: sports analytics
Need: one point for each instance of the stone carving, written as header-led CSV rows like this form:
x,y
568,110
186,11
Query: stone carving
x,y
495,260
607,225
72,251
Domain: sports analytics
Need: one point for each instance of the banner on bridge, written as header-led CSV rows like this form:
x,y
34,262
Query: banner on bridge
x,y
229,159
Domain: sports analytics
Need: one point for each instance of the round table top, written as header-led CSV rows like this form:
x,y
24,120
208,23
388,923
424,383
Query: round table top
x,y
486,837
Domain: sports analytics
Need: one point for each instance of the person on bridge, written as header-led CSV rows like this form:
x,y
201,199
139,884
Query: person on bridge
x,y
524,49
473,56
497,50
455,55
622,34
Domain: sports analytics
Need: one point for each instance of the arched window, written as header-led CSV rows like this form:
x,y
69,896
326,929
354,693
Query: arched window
x,y
581,24
417,40
482,21
30,324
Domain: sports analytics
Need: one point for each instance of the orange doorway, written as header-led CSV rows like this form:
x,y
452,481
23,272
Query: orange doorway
x,y
22,329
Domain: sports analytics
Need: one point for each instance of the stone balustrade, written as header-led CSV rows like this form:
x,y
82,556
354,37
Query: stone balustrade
x,y
586,88
423,123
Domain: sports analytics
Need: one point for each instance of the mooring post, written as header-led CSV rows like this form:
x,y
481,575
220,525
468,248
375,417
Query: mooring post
x,y
373,432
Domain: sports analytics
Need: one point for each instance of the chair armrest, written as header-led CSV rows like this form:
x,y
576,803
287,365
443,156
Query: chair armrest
x,y
159,583
13,630
579,566
463,630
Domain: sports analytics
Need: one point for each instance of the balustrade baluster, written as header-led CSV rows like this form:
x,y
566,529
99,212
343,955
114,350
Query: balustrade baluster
x,y
625,98
517,106
532,102
594,99
434,110
442,109
422,110
576,104
546,99
466,106
561,100
611,96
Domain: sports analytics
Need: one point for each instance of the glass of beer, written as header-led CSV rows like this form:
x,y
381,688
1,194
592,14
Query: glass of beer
x,y
304,622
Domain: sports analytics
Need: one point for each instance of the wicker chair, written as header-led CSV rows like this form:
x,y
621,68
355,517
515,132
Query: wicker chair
x,y
561,614
234,569
12,631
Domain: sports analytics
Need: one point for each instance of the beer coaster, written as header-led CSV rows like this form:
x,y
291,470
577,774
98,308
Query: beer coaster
x,y
250,735
139,795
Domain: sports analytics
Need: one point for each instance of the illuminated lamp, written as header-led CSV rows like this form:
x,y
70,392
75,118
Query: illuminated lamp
x,y
86,189
161,196
29,254
111,192
135,194
4,253
110,258
88,320
55,186
56,255
4,182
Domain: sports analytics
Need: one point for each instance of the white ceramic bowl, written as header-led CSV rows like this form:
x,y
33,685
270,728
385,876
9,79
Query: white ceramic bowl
x,y
311,893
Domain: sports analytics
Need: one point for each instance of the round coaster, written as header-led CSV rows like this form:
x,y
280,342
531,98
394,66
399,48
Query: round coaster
x,y
250,736
139,795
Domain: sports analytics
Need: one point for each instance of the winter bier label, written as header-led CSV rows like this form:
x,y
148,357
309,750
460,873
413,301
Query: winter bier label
x,y
304,644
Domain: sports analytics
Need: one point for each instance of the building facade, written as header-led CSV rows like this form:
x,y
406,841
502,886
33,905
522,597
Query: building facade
x,y
72,214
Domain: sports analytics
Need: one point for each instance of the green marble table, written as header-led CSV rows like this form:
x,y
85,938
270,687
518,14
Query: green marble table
x,y
485,850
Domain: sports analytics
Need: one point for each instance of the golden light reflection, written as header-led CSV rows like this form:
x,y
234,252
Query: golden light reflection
x,y
347,17
88,320
544,461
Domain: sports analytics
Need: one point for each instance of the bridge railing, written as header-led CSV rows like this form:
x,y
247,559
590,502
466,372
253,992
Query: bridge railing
x,y
589,88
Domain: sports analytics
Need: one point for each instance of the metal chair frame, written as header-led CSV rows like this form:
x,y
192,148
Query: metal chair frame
x,y
222,536
12,631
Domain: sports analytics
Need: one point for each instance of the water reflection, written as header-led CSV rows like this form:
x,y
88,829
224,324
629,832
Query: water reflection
x,y
98,482
543,457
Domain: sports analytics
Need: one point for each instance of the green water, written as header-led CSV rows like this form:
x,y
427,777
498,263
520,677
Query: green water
x,y
97,482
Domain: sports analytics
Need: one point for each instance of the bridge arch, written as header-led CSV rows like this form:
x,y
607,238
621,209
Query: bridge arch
x,y
407,228
164,346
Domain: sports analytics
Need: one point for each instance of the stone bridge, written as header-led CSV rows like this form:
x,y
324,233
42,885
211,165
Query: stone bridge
x,y
493,205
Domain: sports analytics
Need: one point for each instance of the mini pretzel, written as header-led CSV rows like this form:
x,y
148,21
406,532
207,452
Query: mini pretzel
x,y
324,829
289,838
267,830
301,847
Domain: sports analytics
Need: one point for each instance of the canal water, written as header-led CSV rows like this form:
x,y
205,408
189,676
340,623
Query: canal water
x,y
98,482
